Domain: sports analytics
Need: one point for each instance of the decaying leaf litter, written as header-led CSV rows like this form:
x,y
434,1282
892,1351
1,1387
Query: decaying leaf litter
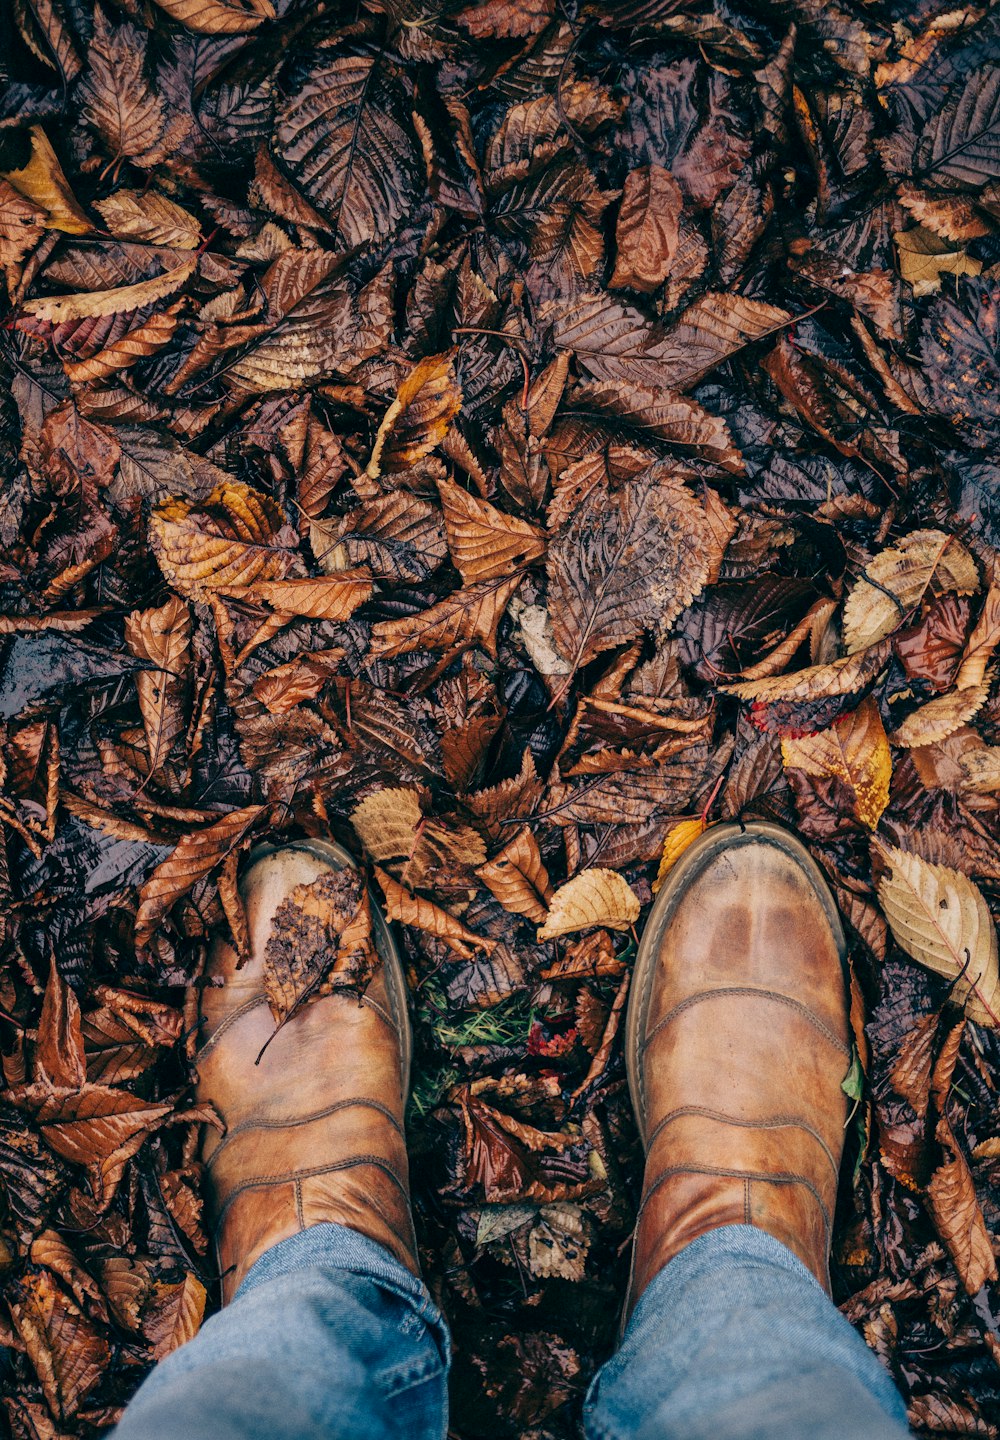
x,y
508,438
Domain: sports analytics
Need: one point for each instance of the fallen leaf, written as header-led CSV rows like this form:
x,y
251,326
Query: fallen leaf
x,y
856,751
593,898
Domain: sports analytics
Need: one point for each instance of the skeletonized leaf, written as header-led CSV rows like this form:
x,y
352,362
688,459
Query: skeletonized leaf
x,y
647,228
485,543
225,541
898,578
940,918
856,751
418,419
595,897
423,914
195,856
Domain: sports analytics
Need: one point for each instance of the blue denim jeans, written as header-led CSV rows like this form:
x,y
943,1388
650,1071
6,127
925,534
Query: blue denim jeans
x,y
329,1338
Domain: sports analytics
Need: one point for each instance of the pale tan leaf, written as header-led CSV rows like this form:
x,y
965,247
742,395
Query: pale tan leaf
x,y
485,543
517,877
219,17
940,918
41,180
982,642
897,579
425,915
558,1242
333,597
227,540
941,716
533,628
839,677
149,216
196,855
594,897
122,301
418,419
22,224
678,838
924,257
387,822
856,751
647,229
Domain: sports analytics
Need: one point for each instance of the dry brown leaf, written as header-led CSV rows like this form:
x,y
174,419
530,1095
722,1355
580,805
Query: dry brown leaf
x,y
855,750
149,216
228,540
845,676
162,637
425,915
940,918
981,643
173,1314
195,856
467,615
320,941
418,419
68,1354
334,597
647,230
595,897
485,543
951,1197
900,577
924,257
941,716
517,877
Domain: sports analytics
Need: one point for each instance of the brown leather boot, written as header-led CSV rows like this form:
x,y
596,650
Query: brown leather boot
x,y
315,1131
736,1045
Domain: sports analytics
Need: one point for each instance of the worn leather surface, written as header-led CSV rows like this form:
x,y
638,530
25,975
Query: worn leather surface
x,y
315,1131
738,1062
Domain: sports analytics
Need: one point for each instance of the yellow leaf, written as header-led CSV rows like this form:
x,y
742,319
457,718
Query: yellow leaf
x,y
594,897
924,257
856,751
41,180
940,918
896,580
679,837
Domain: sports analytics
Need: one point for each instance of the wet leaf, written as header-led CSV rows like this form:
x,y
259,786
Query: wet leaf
x,y
856,751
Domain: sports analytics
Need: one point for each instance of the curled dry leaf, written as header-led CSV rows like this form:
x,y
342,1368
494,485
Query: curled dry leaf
x,y
94,304
941,919
195,856
418,419
855,750
423,914
595,897
898,578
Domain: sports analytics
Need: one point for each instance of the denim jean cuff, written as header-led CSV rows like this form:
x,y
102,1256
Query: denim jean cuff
x,y
339,1248
726,1246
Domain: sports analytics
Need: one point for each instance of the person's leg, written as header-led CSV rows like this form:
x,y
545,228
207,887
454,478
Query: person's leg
x,y
329,1337
735,1339
737,1043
